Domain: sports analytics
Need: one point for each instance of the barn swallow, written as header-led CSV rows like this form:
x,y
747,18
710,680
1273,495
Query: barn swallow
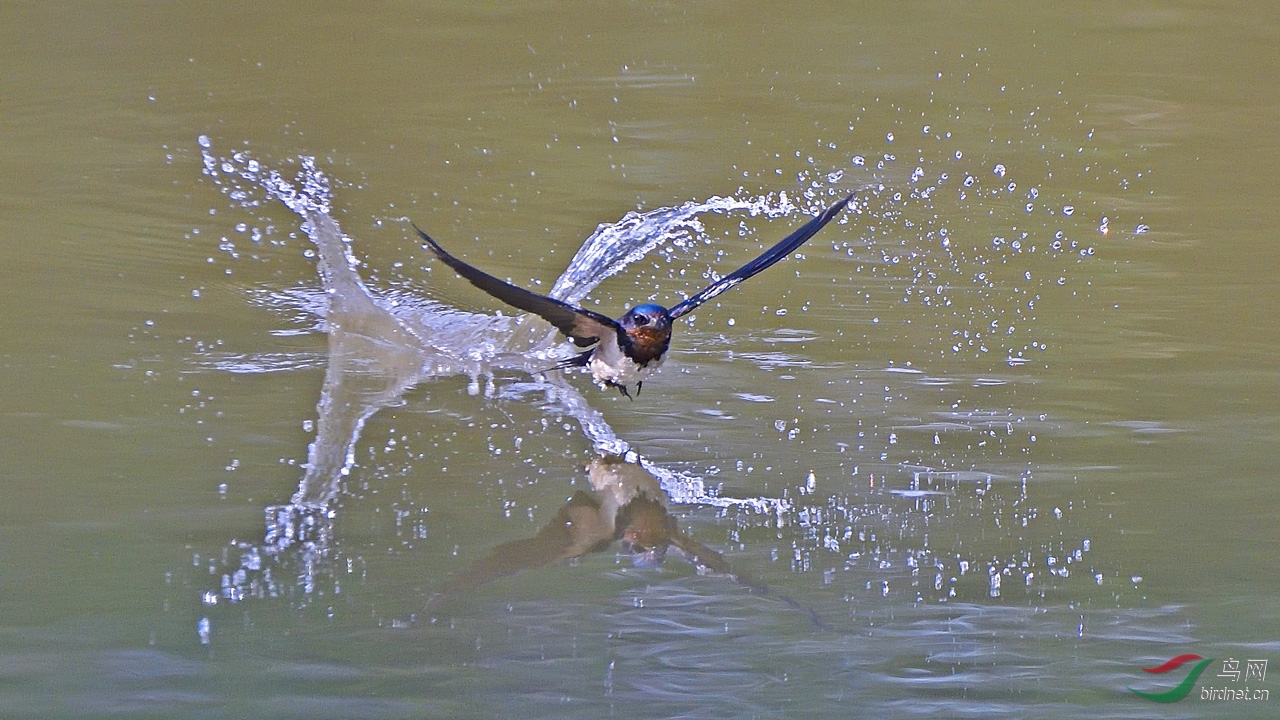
x,y
627,349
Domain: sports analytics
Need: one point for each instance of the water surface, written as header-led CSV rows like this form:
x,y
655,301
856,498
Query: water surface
x,y
987,446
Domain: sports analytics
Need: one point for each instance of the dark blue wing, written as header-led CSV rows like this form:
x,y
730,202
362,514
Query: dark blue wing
x,y
769,257
582,326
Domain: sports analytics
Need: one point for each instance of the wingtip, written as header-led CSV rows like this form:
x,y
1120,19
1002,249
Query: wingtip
x,y
832,210
839,205
431,244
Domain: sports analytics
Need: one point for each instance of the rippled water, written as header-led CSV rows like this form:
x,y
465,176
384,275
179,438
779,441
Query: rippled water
x,y
876,524
988,445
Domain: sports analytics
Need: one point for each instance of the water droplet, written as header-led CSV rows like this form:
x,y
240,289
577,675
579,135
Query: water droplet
x,y
1068,209
888,137
203,141
998,170
1141,229
859,160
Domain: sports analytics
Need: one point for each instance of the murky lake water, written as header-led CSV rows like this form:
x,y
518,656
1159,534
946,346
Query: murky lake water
x,y
992,442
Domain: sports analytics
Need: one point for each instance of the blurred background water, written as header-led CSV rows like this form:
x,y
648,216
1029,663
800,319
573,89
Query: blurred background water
x,y
995,440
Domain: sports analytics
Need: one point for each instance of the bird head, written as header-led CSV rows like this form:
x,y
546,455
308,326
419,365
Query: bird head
x,y
647,530
648,327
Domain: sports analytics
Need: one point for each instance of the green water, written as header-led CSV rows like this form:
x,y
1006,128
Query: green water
x,y
877,423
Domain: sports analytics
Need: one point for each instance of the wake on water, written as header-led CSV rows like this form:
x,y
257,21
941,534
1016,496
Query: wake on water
x,y
972,295
407,340
477,345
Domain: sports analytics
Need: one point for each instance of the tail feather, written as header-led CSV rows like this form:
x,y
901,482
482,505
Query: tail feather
x,y
579,360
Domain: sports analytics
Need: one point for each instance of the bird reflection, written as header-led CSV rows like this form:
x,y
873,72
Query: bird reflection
x,y
626,506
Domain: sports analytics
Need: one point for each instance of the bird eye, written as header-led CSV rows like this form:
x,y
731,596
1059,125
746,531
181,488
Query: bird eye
x,y
642,319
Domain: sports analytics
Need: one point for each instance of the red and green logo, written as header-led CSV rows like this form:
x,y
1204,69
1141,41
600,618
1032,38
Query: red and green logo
x,y
1184,687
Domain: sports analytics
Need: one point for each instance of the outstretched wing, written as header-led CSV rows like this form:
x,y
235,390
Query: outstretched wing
x,y
769,257
582,326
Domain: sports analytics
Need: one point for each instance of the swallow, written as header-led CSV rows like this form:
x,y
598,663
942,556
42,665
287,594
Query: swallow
x,y
624,351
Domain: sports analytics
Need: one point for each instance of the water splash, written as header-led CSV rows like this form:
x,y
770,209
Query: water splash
x,y
383,343
963,284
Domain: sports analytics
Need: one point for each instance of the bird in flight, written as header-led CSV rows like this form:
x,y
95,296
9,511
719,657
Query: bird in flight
x,y
628,349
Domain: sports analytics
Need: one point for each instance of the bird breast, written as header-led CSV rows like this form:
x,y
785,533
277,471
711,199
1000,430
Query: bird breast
x,y
610,366
649,344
